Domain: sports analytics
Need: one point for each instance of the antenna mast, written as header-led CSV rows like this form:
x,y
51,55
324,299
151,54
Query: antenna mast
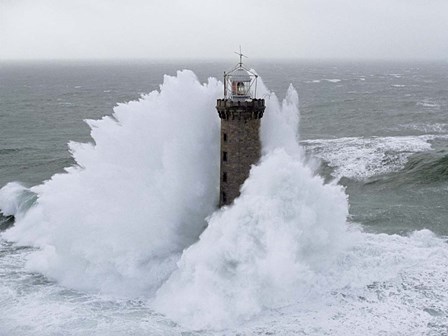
x,y
241,57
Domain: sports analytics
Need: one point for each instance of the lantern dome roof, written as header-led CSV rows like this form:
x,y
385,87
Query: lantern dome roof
x,y
240,75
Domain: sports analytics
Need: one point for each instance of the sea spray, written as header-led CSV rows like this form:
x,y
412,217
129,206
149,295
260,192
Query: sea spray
x,y
266,250
118,221
280,124
269,247
15,199
137,196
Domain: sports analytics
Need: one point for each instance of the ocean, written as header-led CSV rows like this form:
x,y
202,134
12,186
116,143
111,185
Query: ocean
x,y
341,229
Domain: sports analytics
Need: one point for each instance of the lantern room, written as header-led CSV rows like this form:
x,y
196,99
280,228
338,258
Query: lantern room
x,y
240,83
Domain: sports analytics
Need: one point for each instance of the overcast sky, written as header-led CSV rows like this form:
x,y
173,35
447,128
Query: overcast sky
x,y
155,29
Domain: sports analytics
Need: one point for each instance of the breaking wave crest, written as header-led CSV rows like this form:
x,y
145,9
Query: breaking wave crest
x,y
15,199
422,168
360,158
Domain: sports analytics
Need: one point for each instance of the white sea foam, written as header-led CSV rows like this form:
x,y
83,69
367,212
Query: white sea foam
x,y
396,75
428,103
32,305
332,80
427,128
359,158
384,284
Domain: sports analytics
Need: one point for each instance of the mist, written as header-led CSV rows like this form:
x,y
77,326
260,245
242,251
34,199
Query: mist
x,y
156,29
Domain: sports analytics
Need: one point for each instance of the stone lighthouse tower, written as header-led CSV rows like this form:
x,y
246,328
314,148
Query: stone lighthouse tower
x,y
240,112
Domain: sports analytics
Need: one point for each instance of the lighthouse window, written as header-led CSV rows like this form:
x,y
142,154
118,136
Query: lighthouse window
x,y
224,156
224,137
224,177
224,197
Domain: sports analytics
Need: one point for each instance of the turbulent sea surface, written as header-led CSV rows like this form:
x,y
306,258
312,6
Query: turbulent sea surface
x,y
340,229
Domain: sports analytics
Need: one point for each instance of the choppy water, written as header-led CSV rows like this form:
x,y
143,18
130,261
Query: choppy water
x,y
379,129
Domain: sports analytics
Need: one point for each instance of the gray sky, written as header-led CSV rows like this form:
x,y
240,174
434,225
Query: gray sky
x,y
154,29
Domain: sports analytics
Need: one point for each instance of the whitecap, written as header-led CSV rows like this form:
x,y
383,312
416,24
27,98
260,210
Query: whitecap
x,y
360,158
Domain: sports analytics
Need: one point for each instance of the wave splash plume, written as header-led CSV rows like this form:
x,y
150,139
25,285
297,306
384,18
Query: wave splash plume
x,y
136,217
262,252
136,198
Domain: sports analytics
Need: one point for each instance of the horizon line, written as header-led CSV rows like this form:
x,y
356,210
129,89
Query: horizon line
x,y
219,59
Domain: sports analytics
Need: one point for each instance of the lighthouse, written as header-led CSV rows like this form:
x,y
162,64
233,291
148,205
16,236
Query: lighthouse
x,y
240,112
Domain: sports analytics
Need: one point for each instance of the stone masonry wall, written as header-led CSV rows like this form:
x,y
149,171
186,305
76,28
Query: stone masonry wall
x,y
240,145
